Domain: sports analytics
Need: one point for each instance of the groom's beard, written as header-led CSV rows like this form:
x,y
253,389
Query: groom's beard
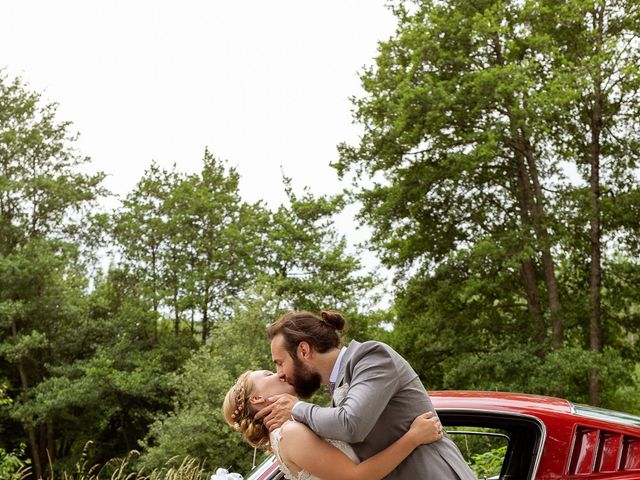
x,y
305,380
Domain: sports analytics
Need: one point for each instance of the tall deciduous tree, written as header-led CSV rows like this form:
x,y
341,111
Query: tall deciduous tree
x,y
305,258
595,58
468,114
219,236
191,239
140,228
44,203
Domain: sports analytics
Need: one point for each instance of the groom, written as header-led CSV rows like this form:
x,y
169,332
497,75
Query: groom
x,y
375,394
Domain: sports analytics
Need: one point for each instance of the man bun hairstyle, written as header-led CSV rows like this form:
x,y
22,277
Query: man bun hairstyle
x,y
302,326
334,319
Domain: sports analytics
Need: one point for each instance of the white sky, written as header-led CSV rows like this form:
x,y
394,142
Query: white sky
x,y
264,84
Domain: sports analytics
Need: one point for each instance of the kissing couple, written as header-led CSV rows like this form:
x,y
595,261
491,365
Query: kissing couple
x,y
381,422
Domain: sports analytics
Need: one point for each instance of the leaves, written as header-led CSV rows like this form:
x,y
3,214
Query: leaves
x,y
473,116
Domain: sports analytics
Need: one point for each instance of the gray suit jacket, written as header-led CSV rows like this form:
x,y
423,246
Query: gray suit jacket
x,y
383,396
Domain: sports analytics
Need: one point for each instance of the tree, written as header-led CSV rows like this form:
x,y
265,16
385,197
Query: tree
x,y
596,54
307,261
239,344
457,174
191,240
219,237
467,115
140,228
44,215
115,382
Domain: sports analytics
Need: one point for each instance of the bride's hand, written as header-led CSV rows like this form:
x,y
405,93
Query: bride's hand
x,y
426,428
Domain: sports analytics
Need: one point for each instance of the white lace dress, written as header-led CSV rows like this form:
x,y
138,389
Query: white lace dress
x,y
276,435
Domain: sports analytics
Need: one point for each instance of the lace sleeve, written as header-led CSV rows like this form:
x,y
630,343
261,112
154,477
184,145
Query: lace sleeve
x,y
276,436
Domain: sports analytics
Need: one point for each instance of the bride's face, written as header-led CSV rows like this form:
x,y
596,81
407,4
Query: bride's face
x,y
267,384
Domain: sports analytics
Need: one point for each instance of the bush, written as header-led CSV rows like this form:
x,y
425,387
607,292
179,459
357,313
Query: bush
x,y
12,467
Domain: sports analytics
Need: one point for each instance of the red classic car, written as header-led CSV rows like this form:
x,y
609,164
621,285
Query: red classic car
x,y
520,437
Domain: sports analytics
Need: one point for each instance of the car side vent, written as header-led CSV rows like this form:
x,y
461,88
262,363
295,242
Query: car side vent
x,y
596,450
630,459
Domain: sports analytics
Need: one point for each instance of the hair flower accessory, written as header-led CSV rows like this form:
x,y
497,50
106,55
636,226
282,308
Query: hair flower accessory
x,y
223,474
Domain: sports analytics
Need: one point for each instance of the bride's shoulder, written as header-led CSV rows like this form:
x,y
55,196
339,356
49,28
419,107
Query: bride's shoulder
x,y
294,429
293,434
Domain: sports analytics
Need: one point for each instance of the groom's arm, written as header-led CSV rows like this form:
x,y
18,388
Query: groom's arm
x,y
374,381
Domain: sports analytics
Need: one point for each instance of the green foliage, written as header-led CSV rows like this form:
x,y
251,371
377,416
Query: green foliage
x,y
624,396
471,115
307,260
484,449
113,388
13,465
47,229
190,241
488,464
196,427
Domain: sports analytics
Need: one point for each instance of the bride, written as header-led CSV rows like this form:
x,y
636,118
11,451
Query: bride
x,y
301,453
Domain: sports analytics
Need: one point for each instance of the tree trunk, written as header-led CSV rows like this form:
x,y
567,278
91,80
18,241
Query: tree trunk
x,y
176,318
539,220
527,266
51,443
527,202
595,330
35,452
31,432
42,447
533,303
205,316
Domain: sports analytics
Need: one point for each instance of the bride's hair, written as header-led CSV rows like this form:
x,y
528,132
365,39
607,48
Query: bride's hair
x,y
239,413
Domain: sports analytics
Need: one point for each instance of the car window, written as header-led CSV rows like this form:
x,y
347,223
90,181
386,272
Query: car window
x,y
484,449
496,445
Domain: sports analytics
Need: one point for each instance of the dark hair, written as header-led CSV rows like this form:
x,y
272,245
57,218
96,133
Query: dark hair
x,y
319,332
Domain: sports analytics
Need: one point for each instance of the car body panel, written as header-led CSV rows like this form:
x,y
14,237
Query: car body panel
x,y
562,441
574,446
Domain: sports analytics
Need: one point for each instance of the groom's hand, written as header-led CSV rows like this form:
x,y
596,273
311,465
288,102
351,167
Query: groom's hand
x,y
278,412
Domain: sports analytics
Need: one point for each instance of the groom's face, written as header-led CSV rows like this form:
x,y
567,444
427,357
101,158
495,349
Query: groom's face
x,y
305,379
298,372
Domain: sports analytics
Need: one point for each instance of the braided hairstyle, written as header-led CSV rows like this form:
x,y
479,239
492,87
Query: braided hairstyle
x,y
239,413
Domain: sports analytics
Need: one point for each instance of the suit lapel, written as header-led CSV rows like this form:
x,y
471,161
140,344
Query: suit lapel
x,y
353,346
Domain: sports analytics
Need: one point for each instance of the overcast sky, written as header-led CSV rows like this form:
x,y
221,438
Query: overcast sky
x,y
262,84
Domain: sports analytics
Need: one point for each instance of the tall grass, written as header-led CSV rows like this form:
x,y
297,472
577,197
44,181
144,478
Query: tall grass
x,y
123,469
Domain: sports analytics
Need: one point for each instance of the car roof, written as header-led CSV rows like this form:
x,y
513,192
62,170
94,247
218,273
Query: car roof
x,y
500,401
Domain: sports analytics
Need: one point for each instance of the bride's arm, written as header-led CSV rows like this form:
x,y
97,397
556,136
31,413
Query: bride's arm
x,y
304,450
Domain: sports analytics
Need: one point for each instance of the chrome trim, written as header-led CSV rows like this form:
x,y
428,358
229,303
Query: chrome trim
x,y
262,468
471,432
535,420
605,415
